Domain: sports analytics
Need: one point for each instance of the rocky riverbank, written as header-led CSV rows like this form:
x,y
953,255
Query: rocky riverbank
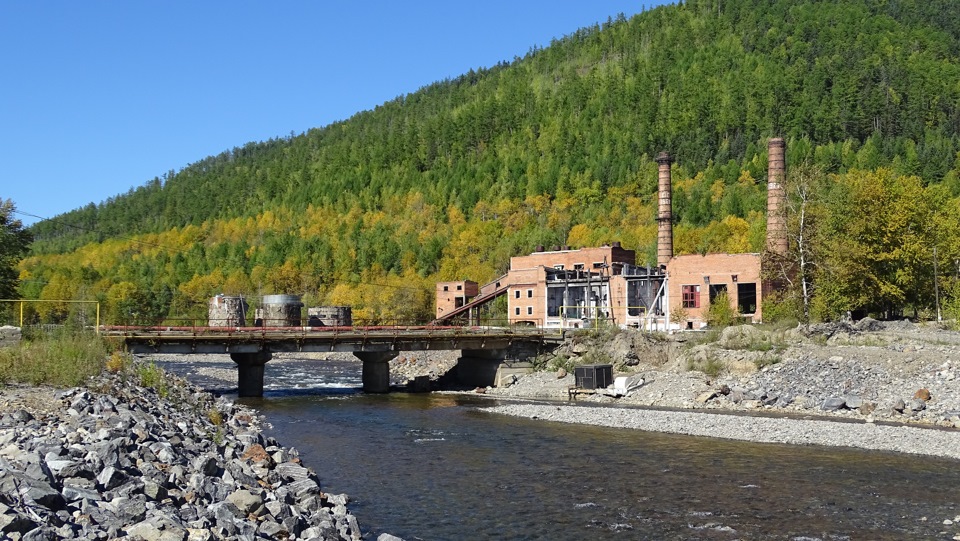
x,y
117,460
869,372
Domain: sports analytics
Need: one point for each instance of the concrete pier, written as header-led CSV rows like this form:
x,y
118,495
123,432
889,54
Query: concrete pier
x,y
478,367
250,372
376,370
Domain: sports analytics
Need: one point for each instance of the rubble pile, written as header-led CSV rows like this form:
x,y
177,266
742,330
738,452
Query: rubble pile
x,y
121,461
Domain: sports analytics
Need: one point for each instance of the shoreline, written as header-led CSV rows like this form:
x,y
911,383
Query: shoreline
x,y
760,425
914,440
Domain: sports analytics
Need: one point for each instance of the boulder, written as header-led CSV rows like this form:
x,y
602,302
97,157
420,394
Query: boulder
x,y
833,404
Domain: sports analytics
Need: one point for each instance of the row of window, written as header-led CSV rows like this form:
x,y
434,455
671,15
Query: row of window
x,y
516,294
516,311
580,266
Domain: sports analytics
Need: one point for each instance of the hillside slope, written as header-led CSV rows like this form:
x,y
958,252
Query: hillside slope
x,y
552,148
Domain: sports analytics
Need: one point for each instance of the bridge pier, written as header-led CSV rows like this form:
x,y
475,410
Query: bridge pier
x,y
479,367
376,370
250,372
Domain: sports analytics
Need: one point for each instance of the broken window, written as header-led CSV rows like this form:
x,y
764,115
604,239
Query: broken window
x,y
747,298
691,296
717,289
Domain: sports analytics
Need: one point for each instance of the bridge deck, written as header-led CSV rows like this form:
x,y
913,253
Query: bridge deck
x,y
188,340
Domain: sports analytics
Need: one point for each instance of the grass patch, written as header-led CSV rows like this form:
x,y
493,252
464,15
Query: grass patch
x,y
61,359
766,360
710,366
152,376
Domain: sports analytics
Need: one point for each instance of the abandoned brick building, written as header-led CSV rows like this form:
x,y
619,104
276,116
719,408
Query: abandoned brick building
x,y
574,288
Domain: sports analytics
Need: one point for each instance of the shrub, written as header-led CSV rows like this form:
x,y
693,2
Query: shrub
x,y
782,310
118,362
721,313
152,376
215,417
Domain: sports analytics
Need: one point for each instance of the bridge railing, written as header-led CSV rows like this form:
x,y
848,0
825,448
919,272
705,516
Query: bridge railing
x,y
360,328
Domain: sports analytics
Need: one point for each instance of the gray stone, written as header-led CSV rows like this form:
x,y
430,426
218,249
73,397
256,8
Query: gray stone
x,y
43,533
110,478
207,465
277,509
388,537
289,471
917,404
294,525
853,401
245,501
270,529
74,493
304,488
338,499
145,530
833,404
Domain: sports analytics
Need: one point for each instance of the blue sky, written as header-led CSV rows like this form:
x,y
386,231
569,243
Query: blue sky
x,y
101,96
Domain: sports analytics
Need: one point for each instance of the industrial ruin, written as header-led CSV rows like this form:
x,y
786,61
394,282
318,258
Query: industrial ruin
x,y
576,288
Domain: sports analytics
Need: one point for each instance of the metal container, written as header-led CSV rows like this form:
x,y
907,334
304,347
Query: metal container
x,y
330,316
280,311
227,311
593,376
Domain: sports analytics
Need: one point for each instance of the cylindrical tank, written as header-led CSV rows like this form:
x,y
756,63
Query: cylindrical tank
x,y
330,316
280,311
227,311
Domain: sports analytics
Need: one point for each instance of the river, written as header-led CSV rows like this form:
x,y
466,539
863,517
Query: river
x,y
436,466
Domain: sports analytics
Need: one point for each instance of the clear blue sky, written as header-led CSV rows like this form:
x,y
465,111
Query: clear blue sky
x,y
101,96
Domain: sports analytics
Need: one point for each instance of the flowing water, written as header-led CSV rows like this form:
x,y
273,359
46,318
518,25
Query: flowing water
x,y
437,467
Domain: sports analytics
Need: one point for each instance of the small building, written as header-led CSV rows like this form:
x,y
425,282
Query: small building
x,y
453,295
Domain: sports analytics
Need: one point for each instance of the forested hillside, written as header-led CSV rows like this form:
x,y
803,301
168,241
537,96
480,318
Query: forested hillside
x,y
552,148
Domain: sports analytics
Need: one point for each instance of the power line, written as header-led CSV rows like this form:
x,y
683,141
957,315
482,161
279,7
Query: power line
x,y
88,230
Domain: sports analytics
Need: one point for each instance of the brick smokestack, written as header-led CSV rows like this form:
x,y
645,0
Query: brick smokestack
x,y
776,197
665,212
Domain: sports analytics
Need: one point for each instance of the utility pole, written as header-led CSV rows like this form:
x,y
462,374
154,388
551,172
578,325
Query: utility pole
x,y
936,285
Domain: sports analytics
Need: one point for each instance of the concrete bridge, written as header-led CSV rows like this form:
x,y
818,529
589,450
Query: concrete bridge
x,y
483,348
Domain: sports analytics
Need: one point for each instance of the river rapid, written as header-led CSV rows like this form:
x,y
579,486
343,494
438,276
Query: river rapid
x,y
437,466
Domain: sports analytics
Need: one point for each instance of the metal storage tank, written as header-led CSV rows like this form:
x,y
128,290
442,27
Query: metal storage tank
x,y
280,311
227,311
330,316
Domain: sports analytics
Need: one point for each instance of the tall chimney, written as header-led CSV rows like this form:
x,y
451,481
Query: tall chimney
x,y
665,212
776,197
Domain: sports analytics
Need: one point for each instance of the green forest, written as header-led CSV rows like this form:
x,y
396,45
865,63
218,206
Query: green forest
x,y
556,147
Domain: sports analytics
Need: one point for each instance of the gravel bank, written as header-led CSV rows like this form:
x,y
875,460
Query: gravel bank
x,y
168,463
903,439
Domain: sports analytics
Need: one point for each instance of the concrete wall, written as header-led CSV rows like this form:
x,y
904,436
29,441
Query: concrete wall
x,y
9,336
